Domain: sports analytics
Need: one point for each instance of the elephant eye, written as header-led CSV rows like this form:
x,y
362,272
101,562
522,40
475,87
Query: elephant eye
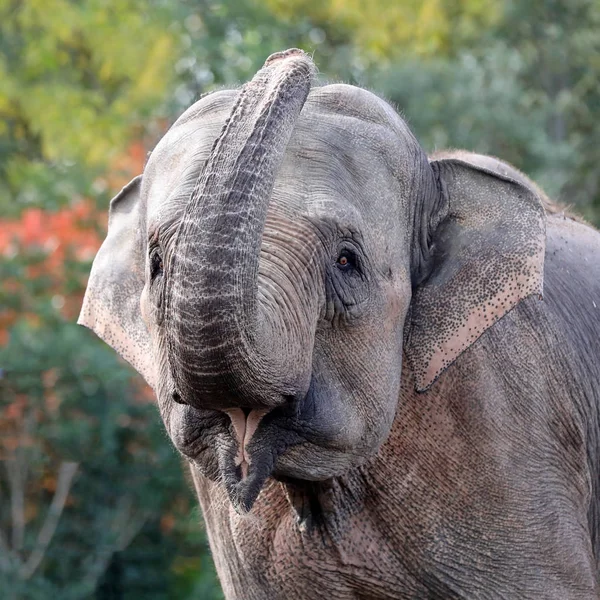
x,y
156,264
346,260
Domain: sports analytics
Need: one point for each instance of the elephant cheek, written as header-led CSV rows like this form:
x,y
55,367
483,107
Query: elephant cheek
x,y
397,300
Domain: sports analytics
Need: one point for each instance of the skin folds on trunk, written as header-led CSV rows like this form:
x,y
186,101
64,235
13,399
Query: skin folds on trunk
x,y
224,353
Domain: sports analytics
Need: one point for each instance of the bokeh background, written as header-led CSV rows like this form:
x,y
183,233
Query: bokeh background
x,y
94,503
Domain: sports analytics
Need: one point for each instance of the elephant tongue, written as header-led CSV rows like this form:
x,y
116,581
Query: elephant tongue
x,y
245,475
244,427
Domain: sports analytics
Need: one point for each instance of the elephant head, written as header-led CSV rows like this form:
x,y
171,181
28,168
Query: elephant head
x,y
284,247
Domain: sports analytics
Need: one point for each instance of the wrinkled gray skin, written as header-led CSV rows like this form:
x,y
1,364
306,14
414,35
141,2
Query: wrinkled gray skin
x,y
285,248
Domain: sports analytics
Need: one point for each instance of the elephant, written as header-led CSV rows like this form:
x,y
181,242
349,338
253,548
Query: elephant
x,y
382,367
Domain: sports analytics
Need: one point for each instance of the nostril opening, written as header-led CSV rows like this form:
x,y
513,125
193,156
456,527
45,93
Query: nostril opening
x,y
177,398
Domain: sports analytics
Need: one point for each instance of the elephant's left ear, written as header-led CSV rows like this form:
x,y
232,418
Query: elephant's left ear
x,y
111,305
487,255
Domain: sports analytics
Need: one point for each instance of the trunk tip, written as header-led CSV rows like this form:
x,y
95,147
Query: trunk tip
x,y
291,53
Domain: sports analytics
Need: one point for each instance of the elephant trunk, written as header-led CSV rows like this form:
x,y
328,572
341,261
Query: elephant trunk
x,y
221,342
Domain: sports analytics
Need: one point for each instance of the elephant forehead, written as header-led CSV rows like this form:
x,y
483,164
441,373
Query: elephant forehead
x,y
329,108
345,149
174,167
346,176
351,158
352,101
192,135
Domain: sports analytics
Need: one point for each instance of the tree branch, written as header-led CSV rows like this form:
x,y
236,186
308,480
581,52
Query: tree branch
x,y
5,554
17,500
124,526
16,470
66,473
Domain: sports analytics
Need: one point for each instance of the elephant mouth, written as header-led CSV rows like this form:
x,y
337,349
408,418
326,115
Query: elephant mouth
x,y
245,424
236,448
241,449
258,442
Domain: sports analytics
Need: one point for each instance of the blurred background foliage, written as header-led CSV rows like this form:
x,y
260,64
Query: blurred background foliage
x,y
93,500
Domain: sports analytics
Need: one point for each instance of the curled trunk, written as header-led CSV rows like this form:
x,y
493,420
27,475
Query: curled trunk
x,y
222,346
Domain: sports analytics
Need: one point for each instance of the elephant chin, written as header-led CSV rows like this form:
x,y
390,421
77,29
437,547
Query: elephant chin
x,y
284,455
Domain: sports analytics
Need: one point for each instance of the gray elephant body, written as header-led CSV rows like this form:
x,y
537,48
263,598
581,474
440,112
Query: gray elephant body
x,y
279,292
487,486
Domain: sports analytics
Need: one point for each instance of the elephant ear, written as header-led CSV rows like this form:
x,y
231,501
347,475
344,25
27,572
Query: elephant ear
x,y
111,305
487,254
